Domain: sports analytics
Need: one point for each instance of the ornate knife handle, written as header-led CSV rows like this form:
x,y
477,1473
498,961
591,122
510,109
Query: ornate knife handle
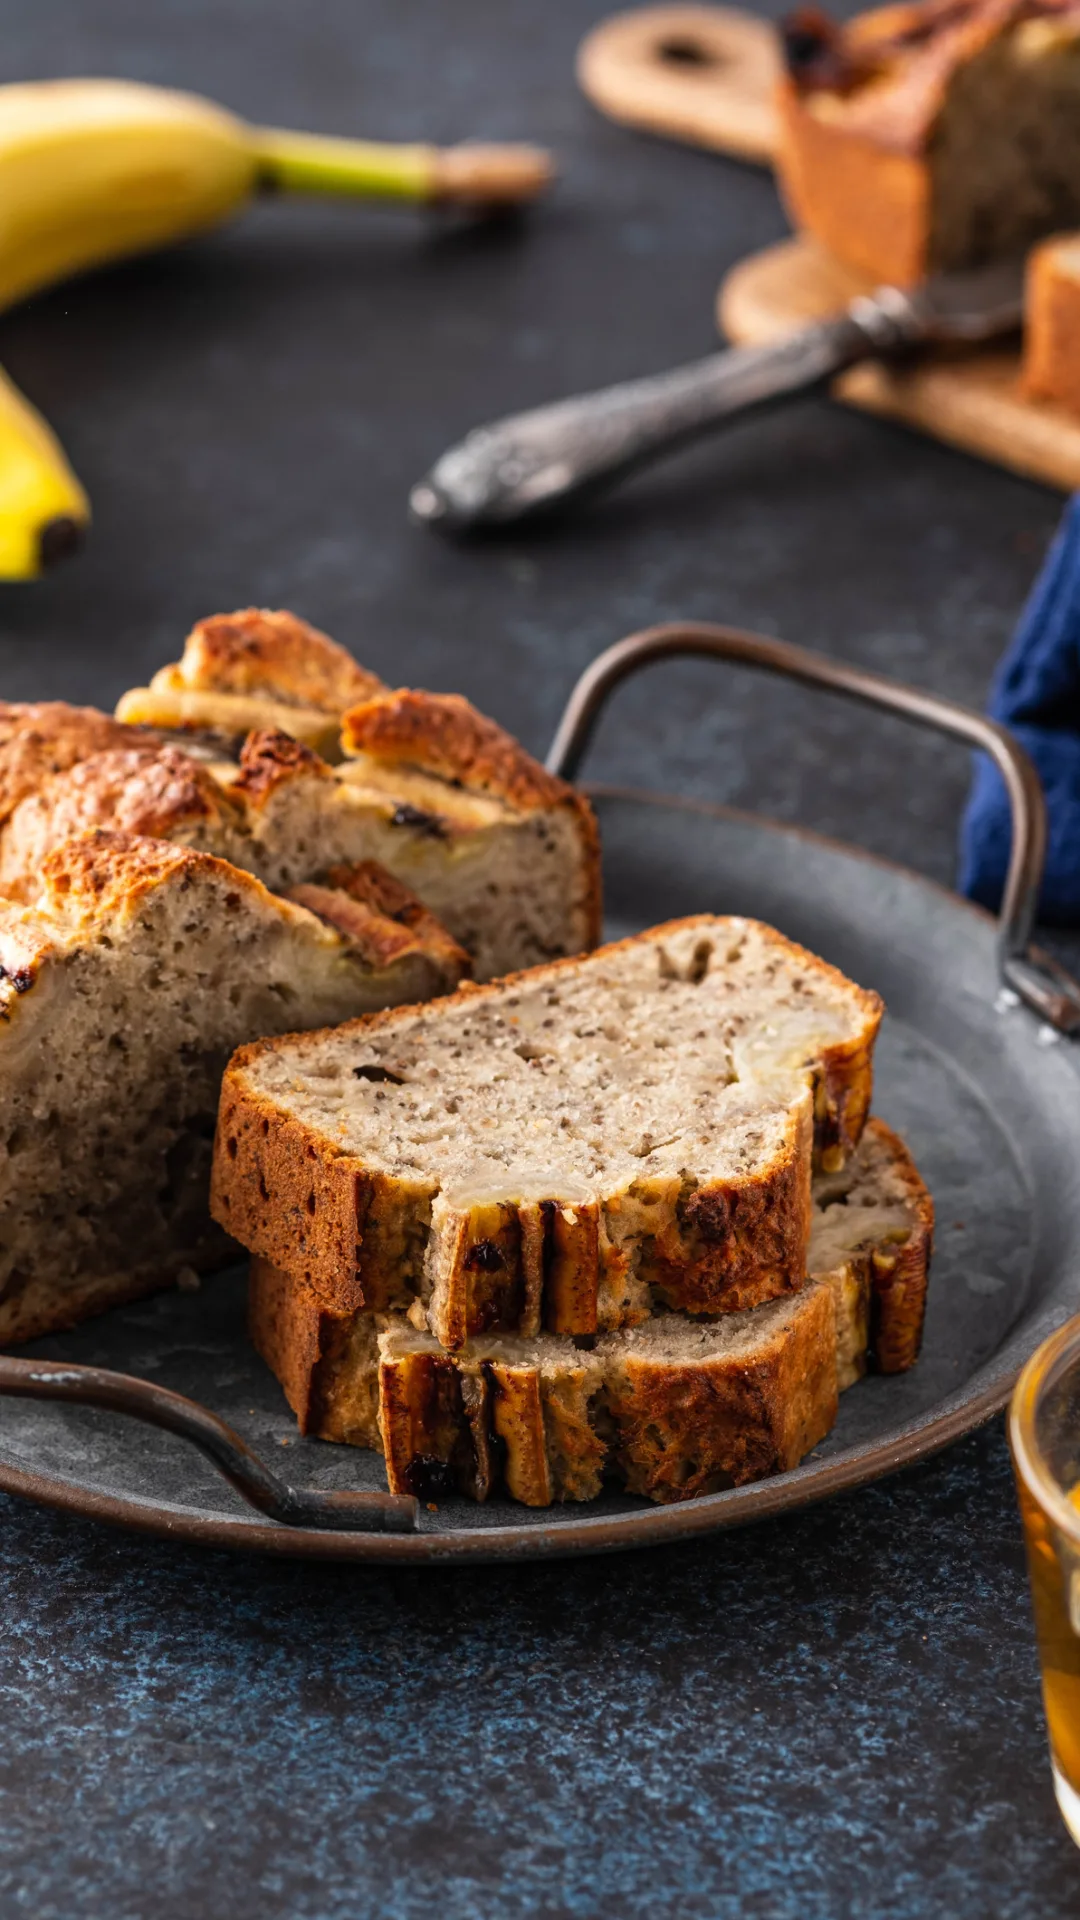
x,y
529,461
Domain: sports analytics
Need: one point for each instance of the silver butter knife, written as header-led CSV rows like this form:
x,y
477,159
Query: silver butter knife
x,y
536,460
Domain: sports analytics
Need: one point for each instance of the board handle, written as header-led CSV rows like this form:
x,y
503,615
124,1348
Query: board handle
x,y
1036,977
159,1407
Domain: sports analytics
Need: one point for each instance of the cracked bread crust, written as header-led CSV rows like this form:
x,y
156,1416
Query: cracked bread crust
x,y
256,651
158,792
446,736
42,738
122,993
546,1419
523,1261
506,856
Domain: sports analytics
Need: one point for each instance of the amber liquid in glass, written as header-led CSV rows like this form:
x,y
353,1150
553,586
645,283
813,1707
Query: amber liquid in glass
x,y
1059,1650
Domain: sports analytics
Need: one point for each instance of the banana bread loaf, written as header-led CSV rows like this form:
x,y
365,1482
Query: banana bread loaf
x,y
932,135
506,855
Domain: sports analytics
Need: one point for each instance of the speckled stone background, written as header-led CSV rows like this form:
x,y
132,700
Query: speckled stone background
x,y
837,1715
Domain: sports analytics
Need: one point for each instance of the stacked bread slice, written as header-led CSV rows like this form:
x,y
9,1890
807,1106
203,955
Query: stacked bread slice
x,y
169,891
565,1227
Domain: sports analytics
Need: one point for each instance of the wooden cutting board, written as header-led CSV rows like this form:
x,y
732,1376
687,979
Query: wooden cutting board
x,y
705,75
700,74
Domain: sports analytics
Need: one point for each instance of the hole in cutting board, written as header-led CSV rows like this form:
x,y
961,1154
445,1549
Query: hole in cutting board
x,y
686,52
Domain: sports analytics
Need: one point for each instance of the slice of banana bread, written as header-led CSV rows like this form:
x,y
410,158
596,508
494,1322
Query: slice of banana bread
x,y
123,991
673,1408
254,668
562,1150
871,1240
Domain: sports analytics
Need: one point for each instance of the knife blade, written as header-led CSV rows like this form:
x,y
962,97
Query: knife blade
x,y
532,462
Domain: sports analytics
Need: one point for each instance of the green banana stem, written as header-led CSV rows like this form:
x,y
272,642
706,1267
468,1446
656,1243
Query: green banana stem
x,y
376,170
370,169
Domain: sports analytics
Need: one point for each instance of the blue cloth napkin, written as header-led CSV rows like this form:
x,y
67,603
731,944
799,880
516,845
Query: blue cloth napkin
x,y
1036,692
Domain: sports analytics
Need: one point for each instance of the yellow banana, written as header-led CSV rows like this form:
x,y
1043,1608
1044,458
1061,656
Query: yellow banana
x,y
93,170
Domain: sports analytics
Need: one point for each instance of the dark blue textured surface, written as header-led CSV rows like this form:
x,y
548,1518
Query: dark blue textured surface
x,y
836,1716
833,1716
1036,692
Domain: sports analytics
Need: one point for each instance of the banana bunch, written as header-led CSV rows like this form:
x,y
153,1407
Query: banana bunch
x,y
93,170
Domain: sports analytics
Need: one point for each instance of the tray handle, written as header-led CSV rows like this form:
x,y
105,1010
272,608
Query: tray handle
x,y
122,1393
1036,977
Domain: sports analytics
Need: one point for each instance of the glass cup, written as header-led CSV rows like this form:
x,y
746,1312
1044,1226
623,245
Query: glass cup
x,y
1044,1433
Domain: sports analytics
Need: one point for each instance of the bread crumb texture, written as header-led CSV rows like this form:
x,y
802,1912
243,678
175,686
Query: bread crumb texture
x,y
565,1150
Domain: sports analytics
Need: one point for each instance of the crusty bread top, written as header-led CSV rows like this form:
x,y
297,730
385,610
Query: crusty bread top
x,y
158,792
269,758
444,735
681,1046
45,737
255,651
101,878
885,73
101,874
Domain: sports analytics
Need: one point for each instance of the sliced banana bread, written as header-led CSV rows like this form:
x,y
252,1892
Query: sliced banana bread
x,y
673,1408
562,1150
505,854
123,991
871,1240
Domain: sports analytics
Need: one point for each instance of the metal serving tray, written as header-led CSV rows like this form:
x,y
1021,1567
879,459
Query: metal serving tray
x,y
975,1066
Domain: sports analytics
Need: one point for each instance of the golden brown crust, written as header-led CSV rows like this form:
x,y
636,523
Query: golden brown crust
x,y
256,651
155,792
737,1242
672,1425
445,736
299,1205
866,204
294,1332
100,874
435,1423
899,1275
887,71
269,758
669,1425
687,1429
42,738
1051,369
859,114
382,919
